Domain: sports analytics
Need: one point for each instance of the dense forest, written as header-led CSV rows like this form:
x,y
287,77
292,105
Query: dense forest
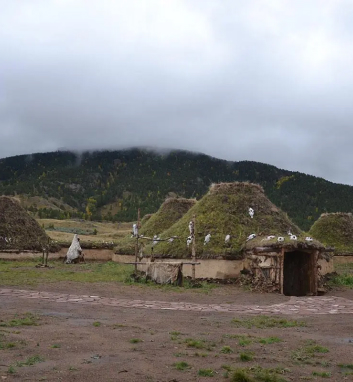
x,y
87,185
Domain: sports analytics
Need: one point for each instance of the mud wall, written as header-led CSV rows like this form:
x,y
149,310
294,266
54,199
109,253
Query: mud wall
x,y
326,266
208,268
343,259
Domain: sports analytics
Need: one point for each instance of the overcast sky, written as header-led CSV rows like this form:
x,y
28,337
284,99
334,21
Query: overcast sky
x,y
263,80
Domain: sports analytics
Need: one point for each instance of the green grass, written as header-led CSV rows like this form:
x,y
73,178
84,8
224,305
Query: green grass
x,y
206,373
346,365
197,344
227,350
341,280
181,365
322,374
246,357
97,324
55,346
7,345
306,353
28,319
240,375
203,355
11,370
30,361
135,340
269,340
263,322
25,273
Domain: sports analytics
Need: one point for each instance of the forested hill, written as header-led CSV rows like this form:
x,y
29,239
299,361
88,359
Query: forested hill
x,y
113,184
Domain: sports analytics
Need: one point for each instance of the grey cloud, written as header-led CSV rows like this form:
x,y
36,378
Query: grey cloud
x,y
256,80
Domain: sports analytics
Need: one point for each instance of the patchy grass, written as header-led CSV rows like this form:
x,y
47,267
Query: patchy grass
x,y
55,346
269,340
7,345
306,353
30,361
28,319
322,374
262,322
257,373
227,350
197,344
341,280
181,365
346,365
97,324
174,336
206,373
11,370
240,375
246,357
135,340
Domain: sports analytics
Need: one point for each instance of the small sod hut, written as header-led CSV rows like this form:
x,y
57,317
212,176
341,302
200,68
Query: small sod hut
x,y
335,230
171,210
18,230
273,249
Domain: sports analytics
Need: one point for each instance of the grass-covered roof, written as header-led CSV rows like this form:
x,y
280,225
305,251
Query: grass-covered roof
x,y
225,210
171,210
335,230
18,230
145,219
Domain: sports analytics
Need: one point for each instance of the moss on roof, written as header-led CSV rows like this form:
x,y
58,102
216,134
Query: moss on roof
x,y
335,230
225,210
18,230
145,219
171,210
300,243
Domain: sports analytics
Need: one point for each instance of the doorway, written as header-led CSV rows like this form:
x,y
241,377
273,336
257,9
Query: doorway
x,y
299,277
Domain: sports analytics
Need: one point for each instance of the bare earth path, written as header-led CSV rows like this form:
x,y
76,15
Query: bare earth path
x,y
111,332
295,305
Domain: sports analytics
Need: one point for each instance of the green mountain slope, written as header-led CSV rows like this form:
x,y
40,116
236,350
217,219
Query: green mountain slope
x,y
137,178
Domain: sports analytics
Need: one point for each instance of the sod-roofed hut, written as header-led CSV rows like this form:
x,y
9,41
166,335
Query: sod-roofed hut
x,y
18,230
335,230
171,210
255,226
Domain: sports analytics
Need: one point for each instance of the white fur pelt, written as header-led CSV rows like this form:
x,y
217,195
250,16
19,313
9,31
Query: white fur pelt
x,y
74,251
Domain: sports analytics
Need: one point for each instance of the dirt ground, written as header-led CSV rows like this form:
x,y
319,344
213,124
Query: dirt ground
x,y
90,342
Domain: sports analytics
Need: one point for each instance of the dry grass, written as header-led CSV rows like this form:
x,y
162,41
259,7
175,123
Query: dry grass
x,y
106,231
19,227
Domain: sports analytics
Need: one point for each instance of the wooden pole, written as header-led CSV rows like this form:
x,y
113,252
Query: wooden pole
x,y
137,239
281,270
193,249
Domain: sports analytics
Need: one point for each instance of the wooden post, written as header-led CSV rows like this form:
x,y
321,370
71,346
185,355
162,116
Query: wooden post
x,y
193,249
137,239
281,270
